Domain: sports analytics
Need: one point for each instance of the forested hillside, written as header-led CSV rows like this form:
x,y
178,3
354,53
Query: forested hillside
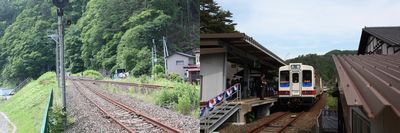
x,y
99,34
322,63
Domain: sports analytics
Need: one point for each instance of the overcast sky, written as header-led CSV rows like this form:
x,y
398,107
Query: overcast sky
x,y
292,27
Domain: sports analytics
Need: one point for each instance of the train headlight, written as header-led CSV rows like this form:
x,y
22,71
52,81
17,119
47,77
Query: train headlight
x,y
284,92
310,92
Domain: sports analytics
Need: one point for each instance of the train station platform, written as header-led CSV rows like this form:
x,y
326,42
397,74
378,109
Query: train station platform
x,y
261,108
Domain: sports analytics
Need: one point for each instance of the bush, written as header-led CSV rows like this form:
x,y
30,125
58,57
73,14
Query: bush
x,y
144,79
175,77
167,98
55,119
184,105
183,98
93,74
157,70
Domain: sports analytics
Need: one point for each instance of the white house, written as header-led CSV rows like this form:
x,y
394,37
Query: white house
x,y
177,62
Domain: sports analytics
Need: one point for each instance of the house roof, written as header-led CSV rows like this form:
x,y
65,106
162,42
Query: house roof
x,y
371,82
390,35
239,42
183,54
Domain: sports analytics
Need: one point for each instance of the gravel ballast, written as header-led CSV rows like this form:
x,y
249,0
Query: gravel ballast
x,y
185,123
87,118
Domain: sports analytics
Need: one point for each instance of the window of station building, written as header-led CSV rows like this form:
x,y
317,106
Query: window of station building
x,y
307,78
179,62
295,77
359,124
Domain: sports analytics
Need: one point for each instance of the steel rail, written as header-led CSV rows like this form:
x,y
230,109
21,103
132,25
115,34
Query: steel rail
x,y
262,126
102,110
129,109
125,83
291,121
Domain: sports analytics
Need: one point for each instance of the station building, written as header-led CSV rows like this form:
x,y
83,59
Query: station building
x,y
228,59
380,40
369,83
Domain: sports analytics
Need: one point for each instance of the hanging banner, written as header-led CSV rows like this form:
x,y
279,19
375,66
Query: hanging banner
x,y
229,92
235,87
220,98
202,110
211,104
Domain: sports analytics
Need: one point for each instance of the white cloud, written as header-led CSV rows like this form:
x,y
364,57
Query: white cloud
x,y
298,26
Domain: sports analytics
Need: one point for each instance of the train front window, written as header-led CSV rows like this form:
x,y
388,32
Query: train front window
x,y
284,79
295,77
307,78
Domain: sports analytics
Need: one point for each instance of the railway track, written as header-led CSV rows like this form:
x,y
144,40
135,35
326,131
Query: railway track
x,y
123,83
278,124
128,118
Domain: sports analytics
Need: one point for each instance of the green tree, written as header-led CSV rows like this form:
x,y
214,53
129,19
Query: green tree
x,y
27,50
323,64
133,52
73,43
214,19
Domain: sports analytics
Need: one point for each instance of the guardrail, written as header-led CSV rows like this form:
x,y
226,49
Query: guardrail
x,y
20,85
45,122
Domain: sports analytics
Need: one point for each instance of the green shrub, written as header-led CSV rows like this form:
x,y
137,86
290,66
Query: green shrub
x,y
55,118
183,98
331,102
93,74
184,105
175,77
167,98
157,70
144,79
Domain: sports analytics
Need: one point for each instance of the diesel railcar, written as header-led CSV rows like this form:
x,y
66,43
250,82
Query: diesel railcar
x,y
299,85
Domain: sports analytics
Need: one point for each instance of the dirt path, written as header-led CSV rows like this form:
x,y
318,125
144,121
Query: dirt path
x,y
5,124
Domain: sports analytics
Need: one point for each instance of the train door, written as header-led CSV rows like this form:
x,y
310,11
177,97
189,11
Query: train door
x,y
296,89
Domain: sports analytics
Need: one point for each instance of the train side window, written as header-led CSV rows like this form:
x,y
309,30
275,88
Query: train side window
x,y
295,77
284,78
307,78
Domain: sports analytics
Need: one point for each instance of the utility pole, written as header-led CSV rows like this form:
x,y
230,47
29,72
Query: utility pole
x,y
58,62
153,50
60,12
165,54
56,38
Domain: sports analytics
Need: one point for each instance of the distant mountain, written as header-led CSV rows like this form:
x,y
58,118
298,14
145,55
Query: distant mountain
x,y
322,63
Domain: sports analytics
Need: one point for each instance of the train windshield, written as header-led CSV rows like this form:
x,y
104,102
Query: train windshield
x,y
295,77
284,79
307,78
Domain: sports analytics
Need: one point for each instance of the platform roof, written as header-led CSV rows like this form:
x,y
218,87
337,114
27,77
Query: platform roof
x,y
371,82
390,35
240,48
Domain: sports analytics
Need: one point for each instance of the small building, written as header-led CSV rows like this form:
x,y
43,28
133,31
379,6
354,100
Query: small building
x,y
380,40
369,83
177,62
193,70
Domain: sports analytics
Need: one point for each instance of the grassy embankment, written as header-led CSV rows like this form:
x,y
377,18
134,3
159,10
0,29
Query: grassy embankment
x,y
26,108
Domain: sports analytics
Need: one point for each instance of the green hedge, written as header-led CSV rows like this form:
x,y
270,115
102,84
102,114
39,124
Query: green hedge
x,y
93,74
